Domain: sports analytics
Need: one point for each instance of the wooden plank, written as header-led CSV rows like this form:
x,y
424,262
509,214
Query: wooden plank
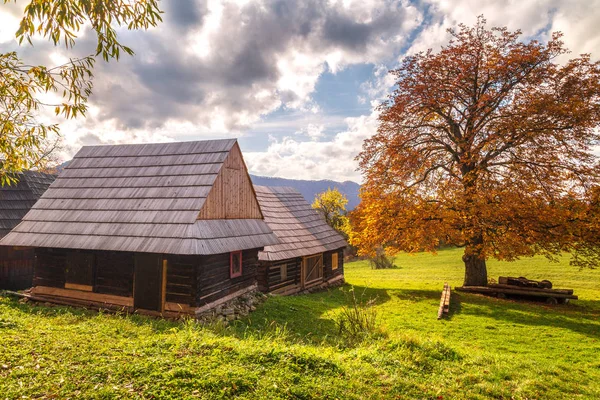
x,y
80,295
312,264
115,204
335,279
444,301
232,195
199,168
522,292
550,291
76,286
148,281
179,307
286,290
163,289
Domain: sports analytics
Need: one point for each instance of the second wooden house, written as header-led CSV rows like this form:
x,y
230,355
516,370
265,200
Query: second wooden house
x,y
16,199
310,252
160,228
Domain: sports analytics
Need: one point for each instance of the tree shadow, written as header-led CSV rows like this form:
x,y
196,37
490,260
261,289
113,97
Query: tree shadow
x,y
581,316
455,305
430,296
415,294
303,316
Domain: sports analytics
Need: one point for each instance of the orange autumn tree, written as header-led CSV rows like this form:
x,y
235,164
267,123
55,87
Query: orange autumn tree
x,y
487,144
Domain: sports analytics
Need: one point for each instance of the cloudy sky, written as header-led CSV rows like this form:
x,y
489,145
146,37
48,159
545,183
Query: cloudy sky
x,y
296,81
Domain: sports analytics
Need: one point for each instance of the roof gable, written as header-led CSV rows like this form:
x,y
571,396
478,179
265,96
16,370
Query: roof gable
x,y
301,230
232,195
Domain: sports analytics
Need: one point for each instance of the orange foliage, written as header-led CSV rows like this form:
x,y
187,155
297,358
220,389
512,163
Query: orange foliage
x,y
488,145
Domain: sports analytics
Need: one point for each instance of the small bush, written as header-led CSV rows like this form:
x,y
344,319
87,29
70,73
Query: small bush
x,y
381,260
359,320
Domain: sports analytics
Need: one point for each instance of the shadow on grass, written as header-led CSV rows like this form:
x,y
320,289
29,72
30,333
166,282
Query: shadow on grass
x,y
583,318
455,305
306,317
429,296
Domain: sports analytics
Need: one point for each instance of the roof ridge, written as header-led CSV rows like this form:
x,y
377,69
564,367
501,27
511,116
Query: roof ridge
x,y
233,140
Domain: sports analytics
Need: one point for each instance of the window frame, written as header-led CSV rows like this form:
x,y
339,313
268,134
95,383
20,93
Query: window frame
x,y
283,276
233,274
335,261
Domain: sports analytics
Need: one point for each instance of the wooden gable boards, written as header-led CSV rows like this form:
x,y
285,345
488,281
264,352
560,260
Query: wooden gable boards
x,y
232,195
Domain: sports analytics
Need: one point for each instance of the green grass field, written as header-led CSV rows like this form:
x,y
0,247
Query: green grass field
x,y
290,347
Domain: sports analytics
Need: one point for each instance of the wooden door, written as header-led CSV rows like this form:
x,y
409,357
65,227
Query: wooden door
x,y
312,269
148,282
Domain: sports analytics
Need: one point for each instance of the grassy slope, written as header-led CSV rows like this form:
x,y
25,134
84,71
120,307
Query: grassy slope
x,y
288,349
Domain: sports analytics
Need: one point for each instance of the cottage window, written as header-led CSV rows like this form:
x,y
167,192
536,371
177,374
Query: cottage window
x,y
235,264
79,273
283,272
334,261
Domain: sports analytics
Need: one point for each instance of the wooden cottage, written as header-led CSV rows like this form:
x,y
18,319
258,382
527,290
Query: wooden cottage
x,y
153,227
16,263
310,252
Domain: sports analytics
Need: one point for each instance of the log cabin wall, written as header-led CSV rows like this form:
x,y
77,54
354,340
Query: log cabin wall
x,y
114,273
16,267
232,194
279,276
213,280
191,280
270,273
49,267
182,279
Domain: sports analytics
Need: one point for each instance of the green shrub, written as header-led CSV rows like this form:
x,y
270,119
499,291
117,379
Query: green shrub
x,y
358,321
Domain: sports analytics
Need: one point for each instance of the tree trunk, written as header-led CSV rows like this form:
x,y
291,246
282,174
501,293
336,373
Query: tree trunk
x,y
475,270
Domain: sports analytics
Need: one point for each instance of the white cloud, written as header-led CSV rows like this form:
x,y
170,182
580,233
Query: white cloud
x,y
379,87
290,158
577,19
217,68
312,131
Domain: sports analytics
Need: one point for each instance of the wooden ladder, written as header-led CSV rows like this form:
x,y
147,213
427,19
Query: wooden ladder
x,y
445,301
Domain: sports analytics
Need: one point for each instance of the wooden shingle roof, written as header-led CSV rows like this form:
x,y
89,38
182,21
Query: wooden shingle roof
x,y
140,198
301,230
18,198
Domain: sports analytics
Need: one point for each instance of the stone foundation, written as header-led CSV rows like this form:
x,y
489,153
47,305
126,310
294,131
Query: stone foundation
x,y
234,309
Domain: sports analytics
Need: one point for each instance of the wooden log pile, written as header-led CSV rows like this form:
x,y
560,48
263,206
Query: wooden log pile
x,y
523,287
524,282
445,301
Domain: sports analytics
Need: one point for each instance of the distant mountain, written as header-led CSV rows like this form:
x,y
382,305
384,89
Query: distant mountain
x,y
310,188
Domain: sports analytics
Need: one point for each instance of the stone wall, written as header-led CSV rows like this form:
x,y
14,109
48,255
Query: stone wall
x,y
234,309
